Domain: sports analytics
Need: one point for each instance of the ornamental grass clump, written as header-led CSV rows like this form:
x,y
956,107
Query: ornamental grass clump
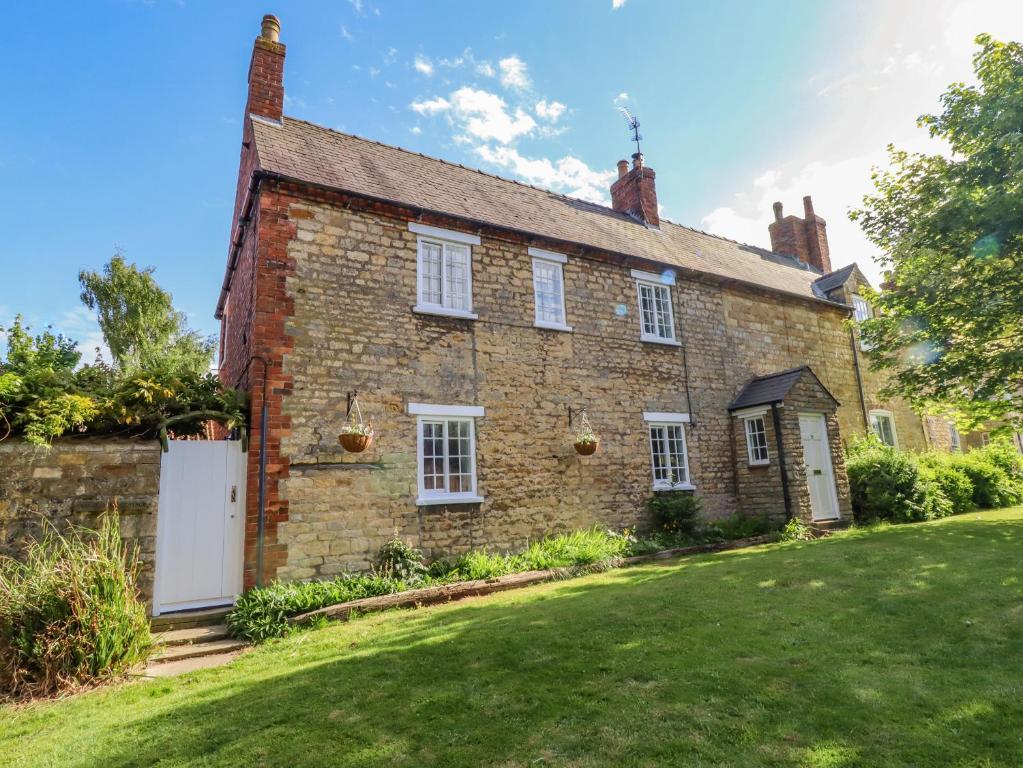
x,y
70,614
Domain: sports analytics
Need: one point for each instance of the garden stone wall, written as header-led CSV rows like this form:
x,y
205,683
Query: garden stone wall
x,y
72,483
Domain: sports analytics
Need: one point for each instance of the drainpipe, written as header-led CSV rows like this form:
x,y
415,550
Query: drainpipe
x,y
859,380
261,496
776,419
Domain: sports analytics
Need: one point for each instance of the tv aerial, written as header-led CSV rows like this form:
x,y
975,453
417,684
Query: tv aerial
x,y
633,123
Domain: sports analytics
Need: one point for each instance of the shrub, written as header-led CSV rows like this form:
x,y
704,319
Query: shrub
x,y
992,487
263,612
675,512
796,530
953,483
398,560
70,614
885,484
739,527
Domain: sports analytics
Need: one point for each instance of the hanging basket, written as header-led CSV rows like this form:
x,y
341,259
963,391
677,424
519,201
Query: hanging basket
x,y
353,442
356,435
586,448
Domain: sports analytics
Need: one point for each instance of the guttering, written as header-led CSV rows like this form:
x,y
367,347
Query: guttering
x,y
859,380
239,238
260,175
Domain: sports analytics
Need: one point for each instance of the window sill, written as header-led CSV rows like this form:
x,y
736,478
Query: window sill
x,y
755,464
454,498
658,340
678,487
552,326
463,314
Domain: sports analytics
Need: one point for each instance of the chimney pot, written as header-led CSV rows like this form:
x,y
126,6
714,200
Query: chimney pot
x,y
623,168
808,207
635,191
777,211
637,160
805,239
271,28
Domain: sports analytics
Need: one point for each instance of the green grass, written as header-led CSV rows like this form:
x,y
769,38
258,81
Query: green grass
x,y
900,646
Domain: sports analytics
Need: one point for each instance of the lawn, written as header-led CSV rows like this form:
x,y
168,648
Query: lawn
x,y
892,647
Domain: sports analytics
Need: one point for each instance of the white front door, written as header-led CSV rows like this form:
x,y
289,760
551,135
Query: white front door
x,y
820,476
201,525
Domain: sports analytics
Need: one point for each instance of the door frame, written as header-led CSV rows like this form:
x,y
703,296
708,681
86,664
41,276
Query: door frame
x,y
233,553
829,467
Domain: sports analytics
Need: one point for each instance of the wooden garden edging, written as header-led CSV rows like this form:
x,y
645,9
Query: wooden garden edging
x,y
458,590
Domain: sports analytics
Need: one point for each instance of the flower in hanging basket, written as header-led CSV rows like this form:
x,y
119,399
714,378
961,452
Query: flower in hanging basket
x,y
586,442
355,437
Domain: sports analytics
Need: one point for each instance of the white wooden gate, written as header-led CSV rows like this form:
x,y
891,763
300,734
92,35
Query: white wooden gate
x,y
200,529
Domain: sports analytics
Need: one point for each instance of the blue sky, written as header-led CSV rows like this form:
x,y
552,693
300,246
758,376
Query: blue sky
x,y
122,120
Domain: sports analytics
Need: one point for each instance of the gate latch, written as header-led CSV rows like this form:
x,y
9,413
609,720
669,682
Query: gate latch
x,y
234,493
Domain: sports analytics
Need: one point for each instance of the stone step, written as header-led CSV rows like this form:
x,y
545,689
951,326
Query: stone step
x,y
196,650
182,666
187,619
192,635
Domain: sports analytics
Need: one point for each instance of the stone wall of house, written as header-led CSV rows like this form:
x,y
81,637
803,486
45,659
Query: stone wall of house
x,y
759,486
72,483
351,281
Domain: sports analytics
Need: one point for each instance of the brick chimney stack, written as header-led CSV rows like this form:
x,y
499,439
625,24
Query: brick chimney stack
x,y
266,72
803,238
635,192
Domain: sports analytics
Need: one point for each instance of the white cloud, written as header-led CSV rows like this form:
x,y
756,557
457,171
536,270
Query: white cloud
x,y
899,69
486,69
374,72
431,106
549,110
346,34
621,98
513,73
616,4
357,5
415,130
390,56
569,175
423,65
485,116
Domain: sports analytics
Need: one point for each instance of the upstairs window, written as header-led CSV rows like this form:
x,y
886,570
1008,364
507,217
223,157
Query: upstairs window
x,y
444,271
883,425
861,312
668,455
657,321
549,289
446,453
756,440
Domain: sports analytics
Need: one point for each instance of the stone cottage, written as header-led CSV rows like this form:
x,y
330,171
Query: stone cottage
x,y
480,322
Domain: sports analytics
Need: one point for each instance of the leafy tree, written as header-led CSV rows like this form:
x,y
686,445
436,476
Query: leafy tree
x,y
139,322
950,228
39,395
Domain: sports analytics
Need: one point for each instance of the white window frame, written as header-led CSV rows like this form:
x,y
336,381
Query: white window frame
x,y
655,282
877,412
444,238
429,412
751,449
861,312
660,420
557,261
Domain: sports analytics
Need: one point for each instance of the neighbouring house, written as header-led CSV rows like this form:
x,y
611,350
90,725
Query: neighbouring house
x,y
479,321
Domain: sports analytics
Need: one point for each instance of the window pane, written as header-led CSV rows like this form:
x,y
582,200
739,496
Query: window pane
x,y
663,297
430,280
676,455
655,310
456,276
433,456
547,279
646,308
658,453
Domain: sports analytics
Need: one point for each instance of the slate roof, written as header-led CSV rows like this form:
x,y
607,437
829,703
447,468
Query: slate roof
x,y
772,388
313,154
829,282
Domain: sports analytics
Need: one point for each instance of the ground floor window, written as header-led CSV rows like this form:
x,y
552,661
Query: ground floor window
x,y
883,425
668,456
446,453
756,440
